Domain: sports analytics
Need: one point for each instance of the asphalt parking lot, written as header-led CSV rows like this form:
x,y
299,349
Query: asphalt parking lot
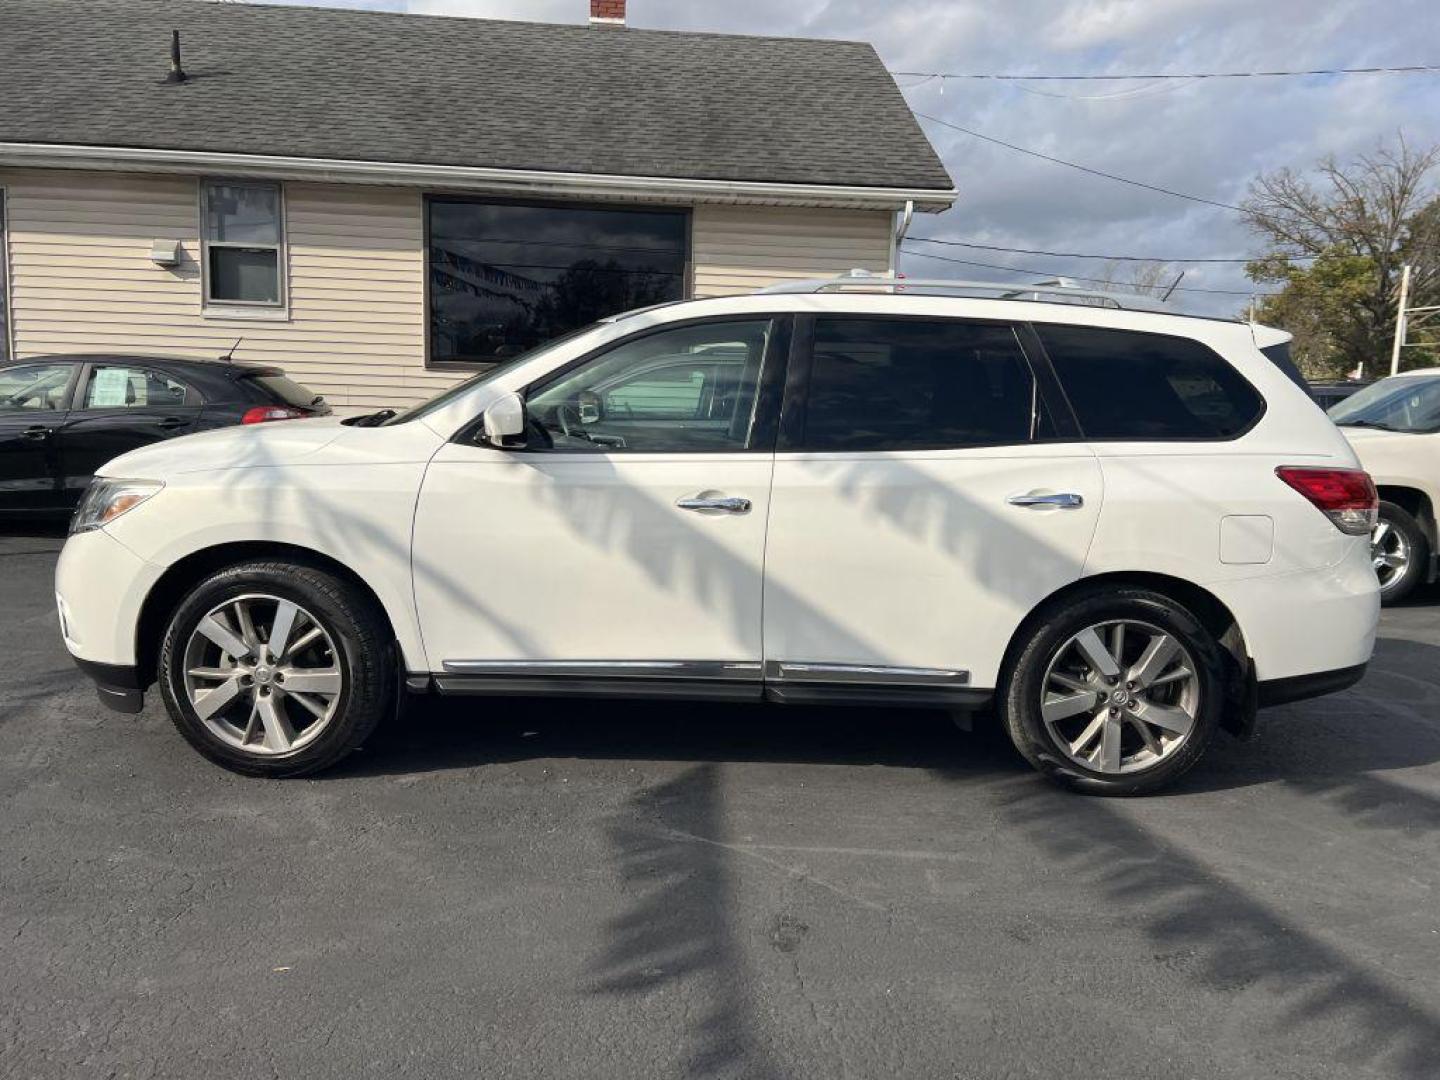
x,y
555,889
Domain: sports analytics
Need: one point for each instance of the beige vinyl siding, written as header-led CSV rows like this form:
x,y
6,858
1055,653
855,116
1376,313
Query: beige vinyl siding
x,y
354,330
737,249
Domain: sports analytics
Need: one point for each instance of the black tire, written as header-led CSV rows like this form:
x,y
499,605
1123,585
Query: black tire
x,y
1022,693
363,650
1417,544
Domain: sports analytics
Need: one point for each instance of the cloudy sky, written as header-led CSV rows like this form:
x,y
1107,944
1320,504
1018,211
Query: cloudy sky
x,y
1206,137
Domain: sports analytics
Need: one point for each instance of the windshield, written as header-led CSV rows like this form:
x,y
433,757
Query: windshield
x,y
1399,403
439,401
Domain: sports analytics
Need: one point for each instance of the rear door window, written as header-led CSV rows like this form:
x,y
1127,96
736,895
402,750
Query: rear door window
x,y
112,386
1129,385
916,384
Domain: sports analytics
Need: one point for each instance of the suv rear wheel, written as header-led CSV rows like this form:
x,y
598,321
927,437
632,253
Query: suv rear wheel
x,y
275,669
1117,692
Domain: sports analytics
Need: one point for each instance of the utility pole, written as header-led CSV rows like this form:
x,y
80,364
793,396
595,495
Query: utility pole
x,y
1400,320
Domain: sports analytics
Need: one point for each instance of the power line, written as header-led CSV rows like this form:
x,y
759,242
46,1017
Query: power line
x,y
1409,69
1082,168
1077,277
1083,254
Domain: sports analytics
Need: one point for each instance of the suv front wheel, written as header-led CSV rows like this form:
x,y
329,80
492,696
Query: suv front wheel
x,y
275,668
1117,692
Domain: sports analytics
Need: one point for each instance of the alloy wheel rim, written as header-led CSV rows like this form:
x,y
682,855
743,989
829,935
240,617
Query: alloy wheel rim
x,y
1389,553
263,675
1120,696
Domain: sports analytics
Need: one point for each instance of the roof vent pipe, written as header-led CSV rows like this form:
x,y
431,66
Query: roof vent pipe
x,y
177,73
607,12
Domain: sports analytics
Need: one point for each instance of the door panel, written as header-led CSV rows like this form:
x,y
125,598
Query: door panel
x,y
546,557
628,536
33,403
920,560
118,409
909,527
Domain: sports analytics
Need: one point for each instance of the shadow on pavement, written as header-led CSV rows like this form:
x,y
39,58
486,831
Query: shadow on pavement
x,y
676,929
1335,747
1214,933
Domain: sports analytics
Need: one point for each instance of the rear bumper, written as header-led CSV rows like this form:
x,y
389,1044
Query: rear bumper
x,y
1308,624
1300,687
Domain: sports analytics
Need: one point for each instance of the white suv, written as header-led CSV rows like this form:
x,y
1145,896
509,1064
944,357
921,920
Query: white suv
x,y
1394,425
1122,529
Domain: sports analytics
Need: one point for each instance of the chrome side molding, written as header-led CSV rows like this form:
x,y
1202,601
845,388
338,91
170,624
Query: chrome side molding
x,y
871,674
734,670
620,669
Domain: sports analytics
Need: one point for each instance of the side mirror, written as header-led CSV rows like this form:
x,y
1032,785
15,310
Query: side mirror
x,y
504,419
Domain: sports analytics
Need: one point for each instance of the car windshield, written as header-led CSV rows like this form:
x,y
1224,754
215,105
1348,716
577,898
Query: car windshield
x,y
1399,403
445,397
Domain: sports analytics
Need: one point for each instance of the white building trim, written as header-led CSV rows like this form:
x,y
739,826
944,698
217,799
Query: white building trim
x,y
520,182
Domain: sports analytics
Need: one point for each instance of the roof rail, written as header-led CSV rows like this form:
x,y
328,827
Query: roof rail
x,y
1056,291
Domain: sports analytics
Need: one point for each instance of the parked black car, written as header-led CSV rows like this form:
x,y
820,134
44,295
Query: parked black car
x,y
62,417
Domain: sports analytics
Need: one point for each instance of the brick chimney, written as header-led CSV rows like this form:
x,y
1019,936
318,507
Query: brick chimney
x,y
607,12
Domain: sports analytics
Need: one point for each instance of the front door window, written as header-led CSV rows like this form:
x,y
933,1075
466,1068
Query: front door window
x,y
678,391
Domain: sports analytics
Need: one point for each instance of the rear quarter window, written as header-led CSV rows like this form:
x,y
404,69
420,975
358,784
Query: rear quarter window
x,y
1129,385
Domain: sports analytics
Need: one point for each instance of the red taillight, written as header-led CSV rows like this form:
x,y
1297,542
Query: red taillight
x,y
263,414
1346,496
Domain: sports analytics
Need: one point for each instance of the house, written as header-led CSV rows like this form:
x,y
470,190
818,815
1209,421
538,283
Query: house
x,y
383,203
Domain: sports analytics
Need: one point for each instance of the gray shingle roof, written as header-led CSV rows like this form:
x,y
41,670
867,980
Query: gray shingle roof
x,y
353,85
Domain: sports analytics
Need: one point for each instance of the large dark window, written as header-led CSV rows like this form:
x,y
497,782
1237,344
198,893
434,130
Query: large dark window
x,y
1128,385
505,278
911,384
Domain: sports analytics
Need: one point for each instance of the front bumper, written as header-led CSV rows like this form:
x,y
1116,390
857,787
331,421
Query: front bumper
x,y
118,686
100,590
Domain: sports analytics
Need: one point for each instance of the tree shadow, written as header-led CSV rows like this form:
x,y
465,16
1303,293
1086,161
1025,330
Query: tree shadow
x,y
1337,748
1219,936
675,871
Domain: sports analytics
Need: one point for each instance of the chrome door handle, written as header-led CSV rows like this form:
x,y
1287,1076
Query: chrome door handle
x,y
1066,500
728,504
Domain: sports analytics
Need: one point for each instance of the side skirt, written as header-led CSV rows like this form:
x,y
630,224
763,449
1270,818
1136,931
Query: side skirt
x,y
736,690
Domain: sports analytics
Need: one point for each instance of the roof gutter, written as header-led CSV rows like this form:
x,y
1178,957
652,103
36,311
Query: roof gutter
x,y
465,177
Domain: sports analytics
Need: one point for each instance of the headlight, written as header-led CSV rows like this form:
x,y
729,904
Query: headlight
x,y
106,499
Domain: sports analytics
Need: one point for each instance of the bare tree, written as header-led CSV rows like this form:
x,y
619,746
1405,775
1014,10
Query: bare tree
x,y
1145,278
1336,241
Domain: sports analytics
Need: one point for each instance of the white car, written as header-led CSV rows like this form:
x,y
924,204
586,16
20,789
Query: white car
x,y
1122,529
1394,425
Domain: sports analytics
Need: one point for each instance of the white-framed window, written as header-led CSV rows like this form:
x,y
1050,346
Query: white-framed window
x,y
242,231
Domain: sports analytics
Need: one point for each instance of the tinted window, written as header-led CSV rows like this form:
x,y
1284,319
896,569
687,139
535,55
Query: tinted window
x,y
114,387
688,389
1279,355
1126,385
286,391
890,384
504,278
34,386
